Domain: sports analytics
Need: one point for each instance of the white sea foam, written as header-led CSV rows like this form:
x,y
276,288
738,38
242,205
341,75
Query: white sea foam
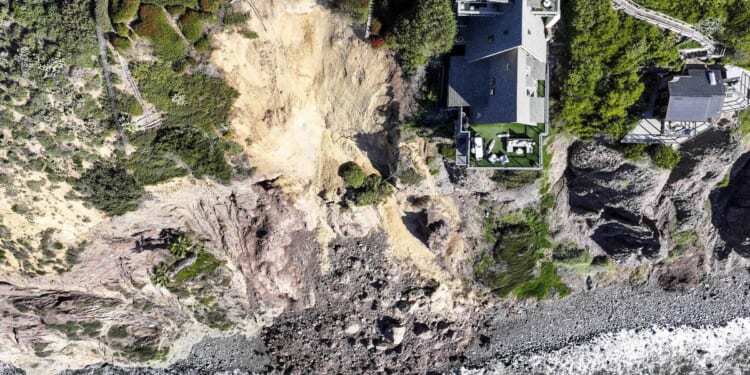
x,y
681,350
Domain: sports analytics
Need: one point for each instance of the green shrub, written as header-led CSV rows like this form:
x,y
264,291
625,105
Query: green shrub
x,y
428,30
191,24
176,10
233,19
374,191
170,3
210,6
684,241
128,104
154,167
352,174
92,329
110,188
447,150
154,26
411,177
635,151
489,228
571,253
540,287
124,10
666,157
156,158
203,45
249,34
197,100
122,30
515,179
743,123
357,8
117,332
483,264
205,264
514,255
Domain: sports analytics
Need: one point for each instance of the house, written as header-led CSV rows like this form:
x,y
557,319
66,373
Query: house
x,y
497,76
691,102
697,96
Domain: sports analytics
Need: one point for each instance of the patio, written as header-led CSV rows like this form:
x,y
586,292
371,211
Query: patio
x,y
490,132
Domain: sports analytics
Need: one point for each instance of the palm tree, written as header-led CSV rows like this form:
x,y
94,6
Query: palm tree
x,y
160,275
180,247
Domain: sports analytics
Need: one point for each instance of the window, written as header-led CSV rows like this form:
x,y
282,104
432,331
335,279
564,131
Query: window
x,y
492,92
492,81
507,67
491,39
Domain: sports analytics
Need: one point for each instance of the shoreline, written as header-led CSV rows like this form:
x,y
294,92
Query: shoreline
x,y
583,318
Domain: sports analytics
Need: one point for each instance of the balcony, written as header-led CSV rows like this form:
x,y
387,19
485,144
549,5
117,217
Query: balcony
x,y
480,8
544,7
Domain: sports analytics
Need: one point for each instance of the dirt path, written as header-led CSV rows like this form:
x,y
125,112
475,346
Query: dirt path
x,y
108,82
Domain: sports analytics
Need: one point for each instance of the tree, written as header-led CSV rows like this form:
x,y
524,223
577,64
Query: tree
x,y
603,81
352,174
110,188
374,191
666,157
426,31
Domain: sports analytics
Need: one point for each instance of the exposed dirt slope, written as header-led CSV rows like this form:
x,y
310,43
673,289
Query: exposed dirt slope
x,y
313,96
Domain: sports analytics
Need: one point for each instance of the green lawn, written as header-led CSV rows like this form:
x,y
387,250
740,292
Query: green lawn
x,y
490,131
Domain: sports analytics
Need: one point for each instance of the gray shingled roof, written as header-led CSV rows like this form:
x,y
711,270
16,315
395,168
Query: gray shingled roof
x,y
461,82
693,108
696,83
510,65
502,106
506,32
694,98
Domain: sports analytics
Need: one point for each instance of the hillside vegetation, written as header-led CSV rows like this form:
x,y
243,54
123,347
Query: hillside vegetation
x,y
603,80
729,18
194,106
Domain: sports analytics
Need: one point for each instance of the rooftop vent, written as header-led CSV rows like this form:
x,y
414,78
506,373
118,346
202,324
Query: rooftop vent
x,y
712,78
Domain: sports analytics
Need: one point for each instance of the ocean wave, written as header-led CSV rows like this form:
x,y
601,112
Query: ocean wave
x,y
658,350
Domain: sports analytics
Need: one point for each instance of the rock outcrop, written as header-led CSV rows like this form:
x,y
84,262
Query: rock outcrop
x,y
608,204
731,211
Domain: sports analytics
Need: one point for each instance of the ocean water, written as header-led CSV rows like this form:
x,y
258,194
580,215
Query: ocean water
x,y
659,350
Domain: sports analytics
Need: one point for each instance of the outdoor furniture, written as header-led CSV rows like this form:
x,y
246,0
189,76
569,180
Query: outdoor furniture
x,y
478,148
521,146
504,159
490,146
